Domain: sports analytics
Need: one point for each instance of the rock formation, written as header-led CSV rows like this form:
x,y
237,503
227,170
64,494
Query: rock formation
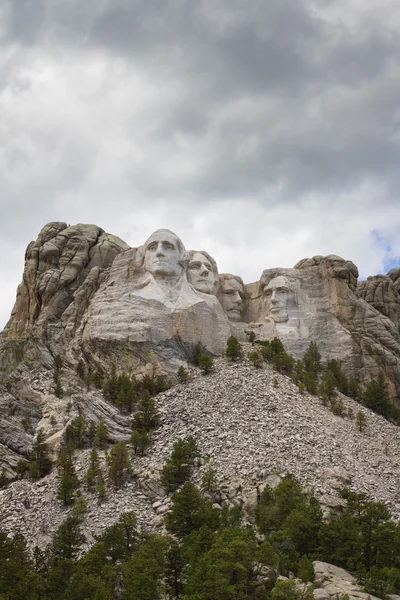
x,y
86,295
85,292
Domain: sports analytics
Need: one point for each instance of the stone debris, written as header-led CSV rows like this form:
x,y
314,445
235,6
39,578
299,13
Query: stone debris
x,y
250,432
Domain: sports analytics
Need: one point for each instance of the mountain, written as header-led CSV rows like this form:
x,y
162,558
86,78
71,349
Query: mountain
x,y
96,324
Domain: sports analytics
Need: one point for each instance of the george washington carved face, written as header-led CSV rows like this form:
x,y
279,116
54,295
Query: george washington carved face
x,y
163,254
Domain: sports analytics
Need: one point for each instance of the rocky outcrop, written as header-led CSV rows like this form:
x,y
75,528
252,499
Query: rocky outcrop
x,y
336,582
381,292
56,266
320,301
86,294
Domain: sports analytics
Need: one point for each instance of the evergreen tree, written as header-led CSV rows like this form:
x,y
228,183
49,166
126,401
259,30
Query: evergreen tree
x,y
98,378
361,421
122,539
328,387
111,387
68,539
93,469
101,487
147,417
206,363
190,511
354,389
233,349
376,396
255,358
119,465
312,358
101,437
140,441
197,352
126,394
40,464
67,478
183,374
178,468
76,432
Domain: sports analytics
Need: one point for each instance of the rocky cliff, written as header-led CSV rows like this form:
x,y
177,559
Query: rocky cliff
x,y
85,295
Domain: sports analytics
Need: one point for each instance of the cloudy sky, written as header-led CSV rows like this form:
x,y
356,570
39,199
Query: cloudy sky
x,y
263,132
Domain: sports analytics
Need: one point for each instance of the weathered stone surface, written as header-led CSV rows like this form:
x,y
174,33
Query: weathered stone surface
x,y
336,581
382,293
318,302
56,265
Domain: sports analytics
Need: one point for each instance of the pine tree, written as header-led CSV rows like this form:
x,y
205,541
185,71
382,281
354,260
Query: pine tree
x,y
40,464
93,469
233,349
183,374
328,387
197,352
119,464
147,417
140,441
67,478
101,437
68,539
255,358
376,396
361,421
101,487
206,363
179,466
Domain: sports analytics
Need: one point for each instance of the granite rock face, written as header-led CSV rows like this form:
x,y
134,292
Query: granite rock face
x,y
382,292
56,266
85,292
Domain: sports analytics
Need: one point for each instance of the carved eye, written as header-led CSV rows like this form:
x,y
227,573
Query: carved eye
x,y
169,246
194,265
152,246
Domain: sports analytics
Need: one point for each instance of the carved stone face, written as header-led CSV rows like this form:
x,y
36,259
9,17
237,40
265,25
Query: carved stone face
x,y
163,253
276,294
231,295
200,273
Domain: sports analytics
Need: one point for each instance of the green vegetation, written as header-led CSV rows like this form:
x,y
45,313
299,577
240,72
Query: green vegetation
x,y
233,350
183,374
255,358
206,363
119,465
179,466
207,553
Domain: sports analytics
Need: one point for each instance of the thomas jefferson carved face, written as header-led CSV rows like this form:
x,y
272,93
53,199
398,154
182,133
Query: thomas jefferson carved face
x,y
230,295
201,273
163,253
276,294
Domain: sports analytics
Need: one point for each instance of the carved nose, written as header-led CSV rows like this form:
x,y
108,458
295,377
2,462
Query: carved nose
x,y
204,271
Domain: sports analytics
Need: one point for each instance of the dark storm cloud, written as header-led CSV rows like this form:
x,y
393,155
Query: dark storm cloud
x,y
221,115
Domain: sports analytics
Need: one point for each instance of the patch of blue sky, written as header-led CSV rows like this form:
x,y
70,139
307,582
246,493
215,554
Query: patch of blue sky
x,y
390,258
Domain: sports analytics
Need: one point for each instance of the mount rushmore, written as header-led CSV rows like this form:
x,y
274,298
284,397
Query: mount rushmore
x,y
85,293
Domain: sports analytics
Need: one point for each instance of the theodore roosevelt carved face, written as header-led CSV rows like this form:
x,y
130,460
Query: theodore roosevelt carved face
x,y
202,272
230,295
164,252
276,295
